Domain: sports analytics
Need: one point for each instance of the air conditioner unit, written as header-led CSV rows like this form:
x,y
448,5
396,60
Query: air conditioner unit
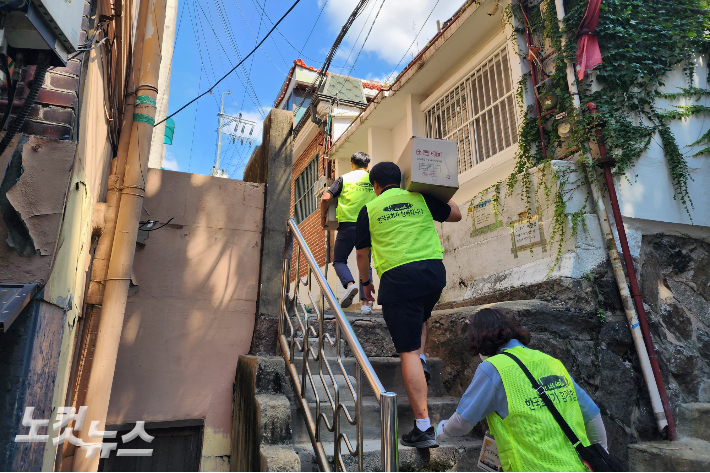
x,y
34,25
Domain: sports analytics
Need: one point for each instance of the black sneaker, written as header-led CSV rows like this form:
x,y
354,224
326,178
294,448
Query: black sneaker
x,y
426,372
417,438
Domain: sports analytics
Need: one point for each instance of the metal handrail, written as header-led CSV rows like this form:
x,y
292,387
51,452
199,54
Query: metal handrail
x,y
297,321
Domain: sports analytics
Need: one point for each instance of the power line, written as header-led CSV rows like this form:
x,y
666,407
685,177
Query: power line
x,y
314,25
300,52
177,33
251,63
199,47
363,43
256,38
415,39
237,52
194,125
235,67
320,78
252,92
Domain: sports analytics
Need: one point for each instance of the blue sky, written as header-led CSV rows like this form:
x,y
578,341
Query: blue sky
x,y
210,32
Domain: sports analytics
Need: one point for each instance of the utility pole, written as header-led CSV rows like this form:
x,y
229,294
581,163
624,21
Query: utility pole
x,y
235,133
216,171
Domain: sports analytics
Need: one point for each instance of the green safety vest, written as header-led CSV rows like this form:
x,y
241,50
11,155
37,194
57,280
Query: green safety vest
x,y
401,230
529,438
357,191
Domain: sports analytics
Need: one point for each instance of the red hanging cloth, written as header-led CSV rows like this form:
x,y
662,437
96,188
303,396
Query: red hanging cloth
x,y
588,53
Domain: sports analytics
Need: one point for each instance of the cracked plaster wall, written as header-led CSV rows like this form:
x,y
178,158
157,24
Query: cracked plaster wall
x,y
484,263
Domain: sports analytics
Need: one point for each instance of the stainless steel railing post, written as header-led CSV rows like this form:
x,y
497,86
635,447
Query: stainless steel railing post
x,y
388,413
358,417
301,381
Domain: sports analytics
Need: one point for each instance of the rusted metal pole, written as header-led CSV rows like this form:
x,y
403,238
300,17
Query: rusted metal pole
x,y
119,272
606,164
636,294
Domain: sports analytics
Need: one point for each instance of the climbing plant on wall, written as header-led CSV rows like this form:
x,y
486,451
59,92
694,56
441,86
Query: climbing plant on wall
x,y
641,42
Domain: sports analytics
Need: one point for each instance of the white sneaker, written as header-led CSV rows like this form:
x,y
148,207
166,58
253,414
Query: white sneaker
x,y
347,299
365,310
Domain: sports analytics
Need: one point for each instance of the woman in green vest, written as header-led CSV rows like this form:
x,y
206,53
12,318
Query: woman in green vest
x,y
527,436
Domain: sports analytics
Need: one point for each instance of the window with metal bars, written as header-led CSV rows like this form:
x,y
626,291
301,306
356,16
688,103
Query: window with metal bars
x,y
478,113
306,202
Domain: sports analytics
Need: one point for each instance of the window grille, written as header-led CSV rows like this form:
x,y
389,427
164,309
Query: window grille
x,y
306,202
478,113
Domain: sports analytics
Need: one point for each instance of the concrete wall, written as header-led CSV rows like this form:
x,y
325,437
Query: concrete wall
x,y
193,314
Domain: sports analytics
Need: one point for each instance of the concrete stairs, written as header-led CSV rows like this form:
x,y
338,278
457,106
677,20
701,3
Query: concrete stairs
x,y
283,430
461,454
690,453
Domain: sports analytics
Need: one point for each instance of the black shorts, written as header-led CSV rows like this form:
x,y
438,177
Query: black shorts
x,y
405,318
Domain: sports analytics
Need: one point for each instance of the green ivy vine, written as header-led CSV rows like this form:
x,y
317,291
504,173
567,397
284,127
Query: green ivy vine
x,y
641,42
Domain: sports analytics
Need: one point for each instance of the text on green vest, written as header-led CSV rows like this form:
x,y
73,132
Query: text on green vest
x,y
402,230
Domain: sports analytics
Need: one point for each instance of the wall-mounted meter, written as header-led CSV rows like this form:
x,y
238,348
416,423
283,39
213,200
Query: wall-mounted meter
x,y
33,25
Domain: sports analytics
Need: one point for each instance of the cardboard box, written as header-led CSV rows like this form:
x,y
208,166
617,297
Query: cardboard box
x,y
430,166
331,222
322,185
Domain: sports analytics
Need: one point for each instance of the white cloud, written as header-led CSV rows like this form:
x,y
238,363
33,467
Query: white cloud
x,y
397,25
170,162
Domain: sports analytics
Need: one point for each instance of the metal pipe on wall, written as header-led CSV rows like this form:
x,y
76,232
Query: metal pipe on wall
x,y
121,264
636,293
654,381
99,268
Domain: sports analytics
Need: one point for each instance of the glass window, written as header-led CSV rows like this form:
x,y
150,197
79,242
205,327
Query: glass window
x,y
478,113
306,202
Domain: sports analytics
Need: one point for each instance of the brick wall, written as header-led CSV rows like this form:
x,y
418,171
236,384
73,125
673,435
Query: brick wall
x,y
310,227
54,113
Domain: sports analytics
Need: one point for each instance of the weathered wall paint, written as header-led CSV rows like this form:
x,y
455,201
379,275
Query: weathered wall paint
x,y
193,314
66,284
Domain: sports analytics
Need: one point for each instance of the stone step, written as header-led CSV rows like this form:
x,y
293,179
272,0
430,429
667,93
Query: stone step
x,y
694,420
440,408
683,455
458,455
279,458
388,371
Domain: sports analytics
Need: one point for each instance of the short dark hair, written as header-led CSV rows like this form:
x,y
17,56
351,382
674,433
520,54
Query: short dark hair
x,y
360,159
385,174
490,329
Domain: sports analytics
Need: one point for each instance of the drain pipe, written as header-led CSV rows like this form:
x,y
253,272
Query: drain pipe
x,y
99,267
98,390
587,165
605,163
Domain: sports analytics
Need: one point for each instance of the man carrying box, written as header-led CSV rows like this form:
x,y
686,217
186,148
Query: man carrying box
x,y
353,191
398,226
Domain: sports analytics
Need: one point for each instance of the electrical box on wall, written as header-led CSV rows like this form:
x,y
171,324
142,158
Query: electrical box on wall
x,y
34,25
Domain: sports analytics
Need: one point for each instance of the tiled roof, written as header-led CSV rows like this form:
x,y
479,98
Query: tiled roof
x,y
345,85
373,85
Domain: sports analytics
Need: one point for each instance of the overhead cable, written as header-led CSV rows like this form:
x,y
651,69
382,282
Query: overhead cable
x,y
314,25
251,63
299,51
257,39
362,45
237,52
320,78
415,39
235,67
246,84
